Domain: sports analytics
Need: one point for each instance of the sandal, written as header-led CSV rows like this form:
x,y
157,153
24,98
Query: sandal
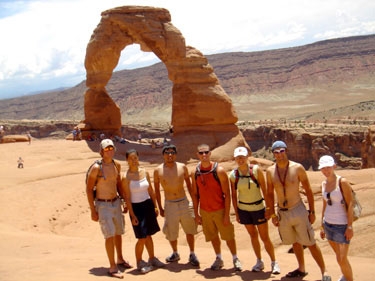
x,y
125,265
296,273
116,274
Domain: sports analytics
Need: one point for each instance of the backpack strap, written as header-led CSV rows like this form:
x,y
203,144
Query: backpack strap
x,y
251,175
198,172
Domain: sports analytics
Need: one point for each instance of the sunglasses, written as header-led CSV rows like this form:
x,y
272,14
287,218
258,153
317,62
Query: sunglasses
x,y
108,148
170,152
279,151
204,152
329,201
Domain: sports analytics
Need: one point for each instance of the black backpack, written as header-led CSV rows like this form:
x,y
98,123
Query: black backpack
x,y
237,176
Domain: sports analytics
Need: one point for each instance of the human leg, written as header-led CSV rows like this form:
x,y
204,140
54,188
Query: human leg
x,y
110,250
298,252
341,251
253,232
263,233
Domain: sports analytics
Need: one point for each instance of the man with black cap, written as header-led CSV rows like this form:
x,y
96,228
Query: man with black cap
x,y
293,220
172,175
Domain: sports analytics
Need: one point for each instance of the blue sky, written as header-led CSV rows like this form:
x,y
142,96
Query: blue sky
x,y
43,43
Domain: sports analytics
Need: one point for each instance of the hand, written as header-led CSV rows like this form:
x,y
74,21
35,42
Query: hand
x,y
162,212
275,221
134,220
349,234
94,215
322,234
198,219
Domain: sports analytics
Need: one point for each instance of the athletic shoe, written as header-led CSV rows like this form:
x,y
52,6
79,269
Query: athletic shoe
x,y
237,264
275,267
144,267
259,266
342,278
155,262
218,264
172,258
193,260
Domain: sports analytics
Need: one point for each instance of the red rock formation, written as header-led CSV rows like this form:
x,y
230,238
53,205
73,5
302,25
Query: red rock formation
x,y
200,105
368,148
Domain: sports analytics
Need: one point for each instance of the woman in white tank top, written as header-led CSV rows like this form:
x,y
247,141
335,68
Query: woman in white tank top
x,y
337,218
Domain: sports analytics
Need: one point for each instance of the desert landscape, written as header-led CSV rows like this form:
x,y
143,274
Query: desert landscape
x,y
47,233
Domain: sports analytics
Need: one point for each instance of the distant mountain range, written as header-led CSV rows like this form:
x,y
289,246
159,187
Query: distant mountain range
x,y
318,80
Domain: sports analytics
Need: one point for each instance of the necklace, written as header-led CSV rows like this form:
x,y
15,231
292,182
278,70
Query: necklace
x,y
285,203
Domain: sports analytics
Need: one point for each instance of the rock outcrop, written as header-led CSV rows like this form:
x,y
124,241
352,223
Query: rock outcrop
x,y
201,110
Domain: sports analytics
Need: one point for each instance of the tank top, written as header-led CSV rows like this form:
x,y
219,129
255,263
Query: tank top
x,y
139,190
211,196
246,194
335,213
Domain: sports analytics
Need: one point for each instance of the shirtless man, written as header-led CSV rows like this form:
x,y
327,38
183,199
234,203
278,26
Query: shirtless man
x,y
171,175
293,220
106,207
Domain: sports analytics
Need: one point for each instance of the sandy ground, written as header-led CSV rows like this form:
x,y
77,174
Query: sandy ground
x,y
47,234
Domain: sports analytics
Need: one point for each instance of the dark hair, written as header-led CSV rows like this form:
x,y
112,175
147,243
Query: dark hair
x,y
130,151
170,146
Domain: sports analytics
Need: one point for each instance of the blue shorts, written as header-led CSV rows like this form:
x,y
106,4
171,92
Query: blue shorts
x,y
252,217
336,232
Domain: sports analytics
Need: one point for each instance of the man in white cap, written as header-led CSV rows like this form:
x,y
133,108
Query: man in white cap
x,y
294,222
106,206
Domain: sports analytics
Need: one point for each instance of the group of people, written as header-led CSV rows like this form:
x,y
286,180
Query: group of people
x,y
212,193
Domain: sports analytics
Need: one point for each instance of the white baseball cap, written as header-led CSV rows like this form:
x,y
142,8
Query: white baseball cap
x,y
240,151
326,161
105,143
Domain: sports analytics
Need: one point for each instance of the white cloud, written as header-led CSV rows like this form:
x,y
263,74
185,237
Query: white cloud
x,y
44,42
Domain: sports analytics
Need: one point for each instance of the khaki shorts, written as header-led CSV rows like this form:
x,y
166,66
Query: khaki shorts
x,y
176,213
111,219
212,224
295,226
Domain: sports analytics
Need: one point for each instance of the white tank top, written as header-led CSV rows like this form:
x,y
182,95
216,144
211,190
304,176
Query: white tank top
x,y
335,213
139,190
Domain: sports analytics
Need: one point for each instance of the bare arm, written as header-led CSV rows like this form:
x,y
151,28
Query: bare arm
x,y
152,193
348,195
234,198
223,177
91,180
263,188
126,189
195,198
302,176
157,191
270,194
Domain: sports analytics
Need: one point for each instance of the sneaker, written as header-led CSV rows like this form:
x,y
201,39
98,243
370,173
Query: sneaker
x,y
326,277
155,262
275,267
144,267
259,266
218,264
237,264
342,278
193,260
173,257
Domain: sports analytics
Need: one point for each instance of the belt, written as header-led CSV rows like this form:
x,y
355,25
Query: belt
x,y
107,200
252,203
283,209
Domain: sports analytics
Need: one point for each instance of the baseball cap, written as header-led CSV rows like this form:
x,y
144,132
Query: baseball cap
x,y
278,144
240,151
326,161
105,143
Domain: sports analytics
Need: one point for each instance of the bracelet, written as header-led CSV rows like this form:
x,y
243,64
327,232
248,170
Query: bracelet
x,y
311,212
267,208
156,209
273,216
349,227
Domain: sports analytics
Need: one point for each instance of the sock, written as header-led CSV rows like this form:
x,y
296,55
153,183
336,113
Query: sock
x,y
218,256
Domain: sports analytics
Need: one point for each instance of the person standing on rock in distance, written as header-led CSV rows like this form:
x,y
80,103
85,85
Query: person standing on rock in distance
x,y
248,187
337,219
171,175
106,207
294,222
211,201
141,202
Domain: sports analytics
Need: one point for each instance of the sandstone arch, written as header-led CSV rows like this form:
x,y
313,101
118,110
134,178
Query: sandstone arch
x,y
199,100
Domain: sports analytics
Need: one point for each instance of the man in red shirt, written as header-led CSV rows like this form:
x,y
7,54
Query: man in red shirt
x,y
211,200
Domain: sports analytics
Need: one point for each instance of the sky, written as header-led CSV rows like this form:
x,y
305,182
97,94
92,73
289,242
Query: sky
x,y
43,42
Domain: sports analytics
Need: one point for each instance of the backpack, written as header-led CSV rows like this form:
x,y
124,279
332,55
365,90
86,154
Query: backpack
x,y
237,176
198,172
100,173
357,208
